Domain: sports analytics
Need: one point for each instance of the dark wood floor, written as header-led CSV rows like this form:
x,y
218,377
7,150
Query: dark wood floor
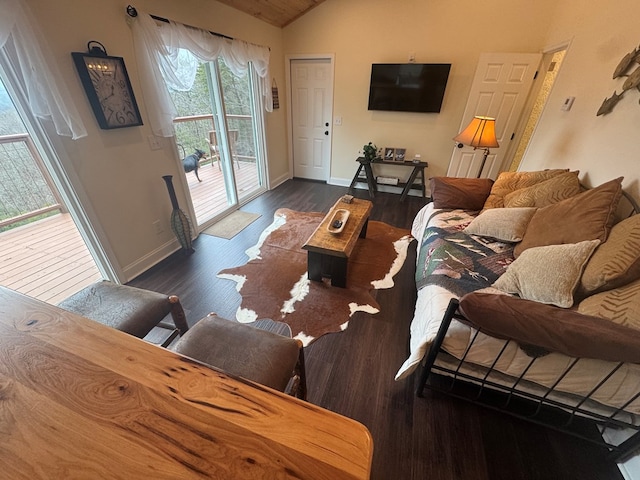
x,y
352,373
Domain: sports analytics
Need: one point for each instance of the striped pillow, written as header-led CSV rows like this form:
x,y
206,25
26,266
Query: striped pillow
x,y
616,262
545,193
508,182
620,305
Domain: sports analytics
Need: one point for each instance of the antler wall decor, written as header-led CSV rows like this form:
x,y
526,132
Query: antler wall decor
x,y
632,81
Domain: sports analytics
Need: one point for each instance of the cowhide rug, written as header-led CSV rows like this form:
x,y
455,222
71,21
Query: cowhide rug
x,y
274,283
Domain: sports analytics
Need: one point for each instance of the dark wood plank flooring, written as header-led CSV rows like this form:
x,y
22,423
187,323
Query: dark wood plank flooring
x,y
352,373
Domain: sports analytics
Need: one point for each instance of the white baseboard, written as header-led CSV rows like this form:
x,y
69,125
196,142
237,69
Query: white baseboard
x,y
154,257
279,181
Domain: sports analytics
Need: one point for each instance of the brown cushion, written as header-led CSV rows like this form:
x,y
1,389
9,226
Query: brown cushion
x,y
545,193
242,350
504,224
463,193
129,309
617,261
548,274
508,182
554,329
620,305
587,216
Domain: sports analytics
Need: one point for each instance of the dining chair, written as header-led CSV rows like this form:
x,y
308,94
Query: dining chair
x,y
132,310
247,351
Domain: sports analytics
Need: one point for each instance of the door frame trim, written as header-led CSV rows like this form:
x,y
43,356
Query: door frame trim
x,y
307,56
528,108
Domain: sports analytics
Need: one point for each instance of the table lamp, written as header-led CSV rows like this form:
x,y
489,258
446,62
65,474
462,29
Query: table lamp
x,y
480,133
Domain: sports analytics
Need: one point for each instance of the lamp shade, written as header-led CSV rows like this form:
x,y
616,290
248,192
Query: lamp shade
x,y
481,132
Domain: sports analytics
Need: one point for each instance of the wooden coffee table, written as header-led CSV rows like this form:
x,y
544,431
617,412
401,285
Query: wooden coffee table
x,y
328,253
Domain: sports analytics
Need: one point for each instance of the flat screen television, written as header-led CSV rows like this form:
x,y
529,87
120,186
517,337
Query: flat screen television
x,y
408,87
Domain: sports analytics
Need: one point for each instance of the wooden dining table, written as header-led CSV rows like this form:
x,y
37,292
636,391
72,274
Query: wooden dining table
x,y
81,400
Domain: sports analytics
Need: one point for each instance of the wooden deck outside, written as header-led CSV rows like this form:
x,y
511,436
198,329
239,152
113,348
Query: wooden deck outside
x,y
49,260
46,259
209,196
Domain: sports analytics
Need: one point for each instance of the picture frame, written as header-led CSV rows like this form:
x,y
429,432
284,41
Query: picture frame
x,y
108,88
389,154
399,155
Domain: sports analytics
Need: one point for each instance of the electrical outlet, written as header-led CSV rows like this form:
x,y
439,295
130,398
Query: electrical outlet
x,y
567,104
157,227
155,142
337,121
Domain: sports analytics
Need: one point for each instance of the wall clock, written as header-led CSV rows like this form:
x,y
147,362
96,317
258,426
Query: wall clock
x,y
108,88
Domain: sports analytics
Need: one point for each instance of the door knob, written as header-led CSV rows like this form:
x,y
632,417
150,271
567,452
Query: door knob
x,y
326,132
326,124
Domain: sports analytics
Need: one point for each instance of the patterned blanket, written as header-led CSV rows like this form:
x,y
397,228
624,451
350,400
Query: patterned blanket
x,y
458,262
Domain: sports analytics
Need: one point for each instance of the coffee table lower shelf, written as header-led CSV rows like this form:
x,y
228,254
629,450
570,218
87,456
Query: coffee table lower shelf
x,y
322,265
328,254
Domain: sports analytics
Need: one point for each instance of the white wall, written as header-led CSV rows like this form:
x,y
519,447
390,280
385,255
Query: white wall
x,y
602,147
362,32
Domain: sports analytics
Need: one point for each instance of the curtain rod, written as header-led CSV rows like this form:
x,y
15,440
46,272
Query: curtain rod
x,y
132,12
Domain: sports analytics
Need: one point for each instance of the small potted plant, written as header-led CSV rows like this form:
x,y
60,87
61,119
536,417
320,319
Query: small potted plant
x,y
369,152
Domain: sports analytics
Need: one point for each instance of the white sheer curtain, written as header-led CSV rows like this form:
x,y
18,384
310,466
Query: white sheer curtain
x,y
24,55
161,65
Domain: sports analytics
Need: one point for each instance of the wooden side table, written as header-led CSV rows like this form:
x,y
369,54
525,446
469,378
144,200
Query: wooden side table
x,y
418,171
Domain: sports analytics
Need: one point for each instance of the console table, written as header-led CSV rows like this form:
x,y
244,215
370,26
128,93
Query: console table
x,y
370,179
82,400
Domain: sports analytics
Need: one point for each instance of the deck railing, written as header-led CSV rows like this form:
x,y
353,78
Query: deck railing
x,y
193,132
26,188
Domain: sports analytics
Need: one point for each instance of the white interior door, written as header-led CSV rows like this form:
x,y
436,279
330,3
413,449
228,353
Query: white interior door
x,y
311,114
500,89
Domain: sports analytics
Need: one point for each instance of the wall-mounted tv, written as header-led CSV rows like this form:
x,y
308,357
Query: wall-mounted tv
x,y
408,87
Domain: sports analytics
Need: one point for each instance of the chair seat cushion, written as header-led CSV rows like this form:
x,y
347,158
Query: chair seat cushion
x,y
129,309
242,350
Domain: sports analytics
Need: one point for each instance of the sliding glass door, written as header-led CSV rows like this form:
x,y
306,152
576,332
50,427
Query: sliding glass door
x,y
235,115
221,116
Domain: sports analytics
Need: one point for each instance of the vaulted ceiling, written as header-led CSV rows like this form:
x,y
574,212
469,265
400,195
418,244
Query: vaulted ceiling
x,y
276,12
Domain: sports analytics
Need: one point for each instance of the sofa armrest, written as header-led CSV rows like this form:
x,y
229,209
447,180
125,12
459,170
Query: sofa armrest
x,y
551,328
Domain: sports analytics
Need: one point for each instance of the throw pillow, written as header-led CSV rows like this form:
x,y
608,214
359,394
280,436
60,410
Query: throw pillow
x,y
508,182
504,224
617,261
586,216
547,274
464,193
545,193
620,305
